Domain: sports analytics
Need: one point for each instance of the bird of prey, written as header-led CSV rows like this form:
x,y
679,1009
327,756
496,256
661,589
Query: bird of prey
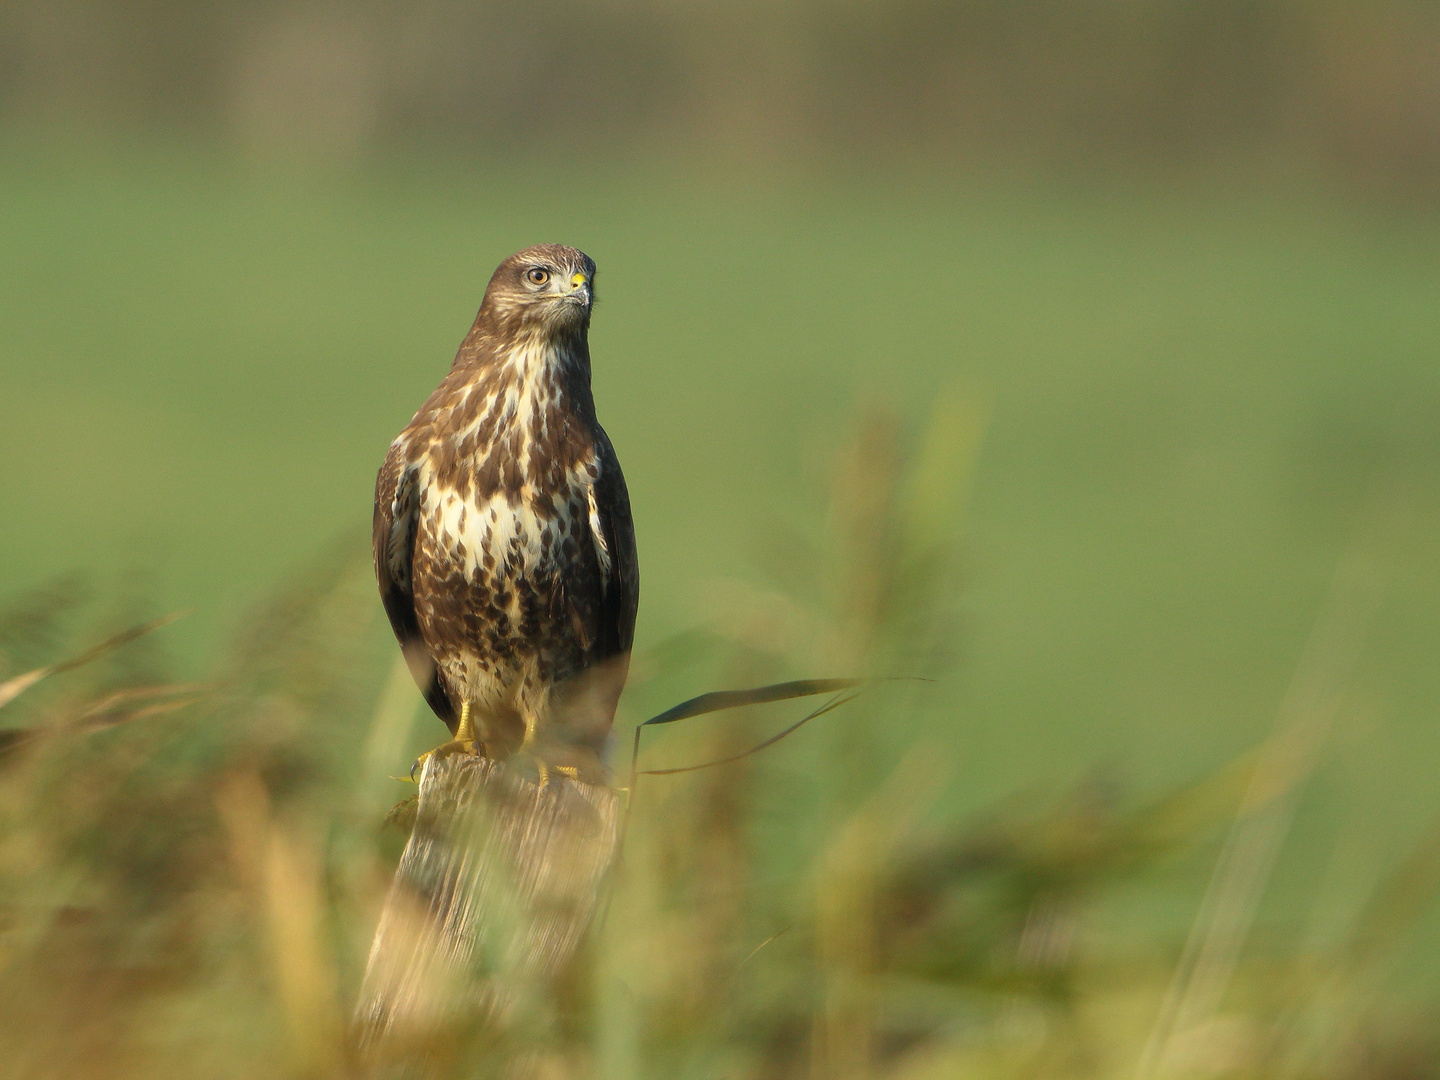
x,y
503,541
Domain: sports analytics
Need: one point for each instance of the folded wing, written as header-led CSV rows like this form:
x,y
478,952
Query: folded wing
x,y
397,505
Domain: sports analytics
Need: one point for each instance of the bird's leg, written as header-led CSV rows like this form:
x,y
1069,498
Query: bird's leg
x,y
464,741
532,724
465,730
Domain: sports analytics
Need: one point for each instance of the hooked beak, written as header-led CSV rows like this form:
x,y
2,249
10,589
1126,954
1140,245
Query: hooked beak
x,y
579,290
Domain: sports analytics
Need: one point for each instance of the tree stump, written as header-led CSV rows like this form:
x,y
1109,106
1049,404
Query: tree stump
x,y
497,886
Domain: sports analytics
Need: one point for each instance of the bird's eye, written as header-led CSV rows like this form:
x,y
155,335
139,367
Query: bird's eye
x,y
537,275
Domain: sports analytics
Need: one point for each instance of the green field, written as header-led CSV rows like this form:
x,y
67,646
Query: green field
x,y
1198,402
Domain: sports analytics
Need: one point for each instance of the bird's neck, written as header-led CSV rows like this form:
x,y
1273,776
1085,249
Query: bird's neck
x,y
545,374
533,393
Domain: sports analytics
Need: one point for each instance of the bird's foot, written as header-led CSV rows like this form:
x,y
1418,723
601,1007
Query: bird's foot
x,y
545,771
542,767
455,746
542,771
527,747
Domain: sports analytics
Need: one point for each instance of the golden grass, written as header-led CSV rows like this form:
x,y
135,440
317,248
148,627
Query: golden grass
x,y
189,888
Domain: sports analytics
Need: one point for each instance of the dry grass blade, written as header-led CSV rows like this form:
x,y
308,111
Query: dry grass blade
x,y
113,709
1243,869
138,702
833,703
13,688
721,700
10,689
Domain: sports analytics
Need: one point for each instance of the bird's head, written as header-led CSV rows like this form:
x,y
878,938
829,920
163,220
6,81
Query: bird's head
x,y
548,289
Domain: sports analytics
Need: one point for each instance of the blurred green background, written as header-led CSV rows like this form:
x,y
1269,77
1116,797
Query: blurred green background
x,y
1179,260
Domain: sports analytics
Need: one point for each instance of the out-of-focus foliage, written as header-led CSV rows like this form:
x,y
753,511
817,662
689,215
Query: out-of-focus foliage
x,y
1347,87
1188,400
191,891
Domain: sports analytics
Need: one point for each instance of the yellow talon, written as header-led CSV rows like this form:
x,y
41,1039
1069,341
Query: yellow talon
x,y
464,742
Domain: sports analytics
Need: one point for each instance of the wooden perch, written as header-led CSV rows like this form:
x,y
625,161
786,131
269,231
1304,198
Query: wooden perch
x,y
496,888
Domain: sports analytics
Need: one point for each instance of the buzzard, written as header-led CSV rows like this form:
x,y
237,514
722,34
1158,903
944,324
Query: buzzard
x,y
503,541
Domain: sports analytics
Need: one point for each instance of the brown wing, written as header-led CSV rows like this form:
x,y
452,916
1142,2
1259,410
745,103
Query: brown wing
x,y
622,585
397,503
584,709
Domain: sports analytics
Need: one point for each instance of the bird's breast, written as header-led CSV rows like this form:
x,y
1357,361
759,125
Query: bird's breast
x,y
528,534
507,466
